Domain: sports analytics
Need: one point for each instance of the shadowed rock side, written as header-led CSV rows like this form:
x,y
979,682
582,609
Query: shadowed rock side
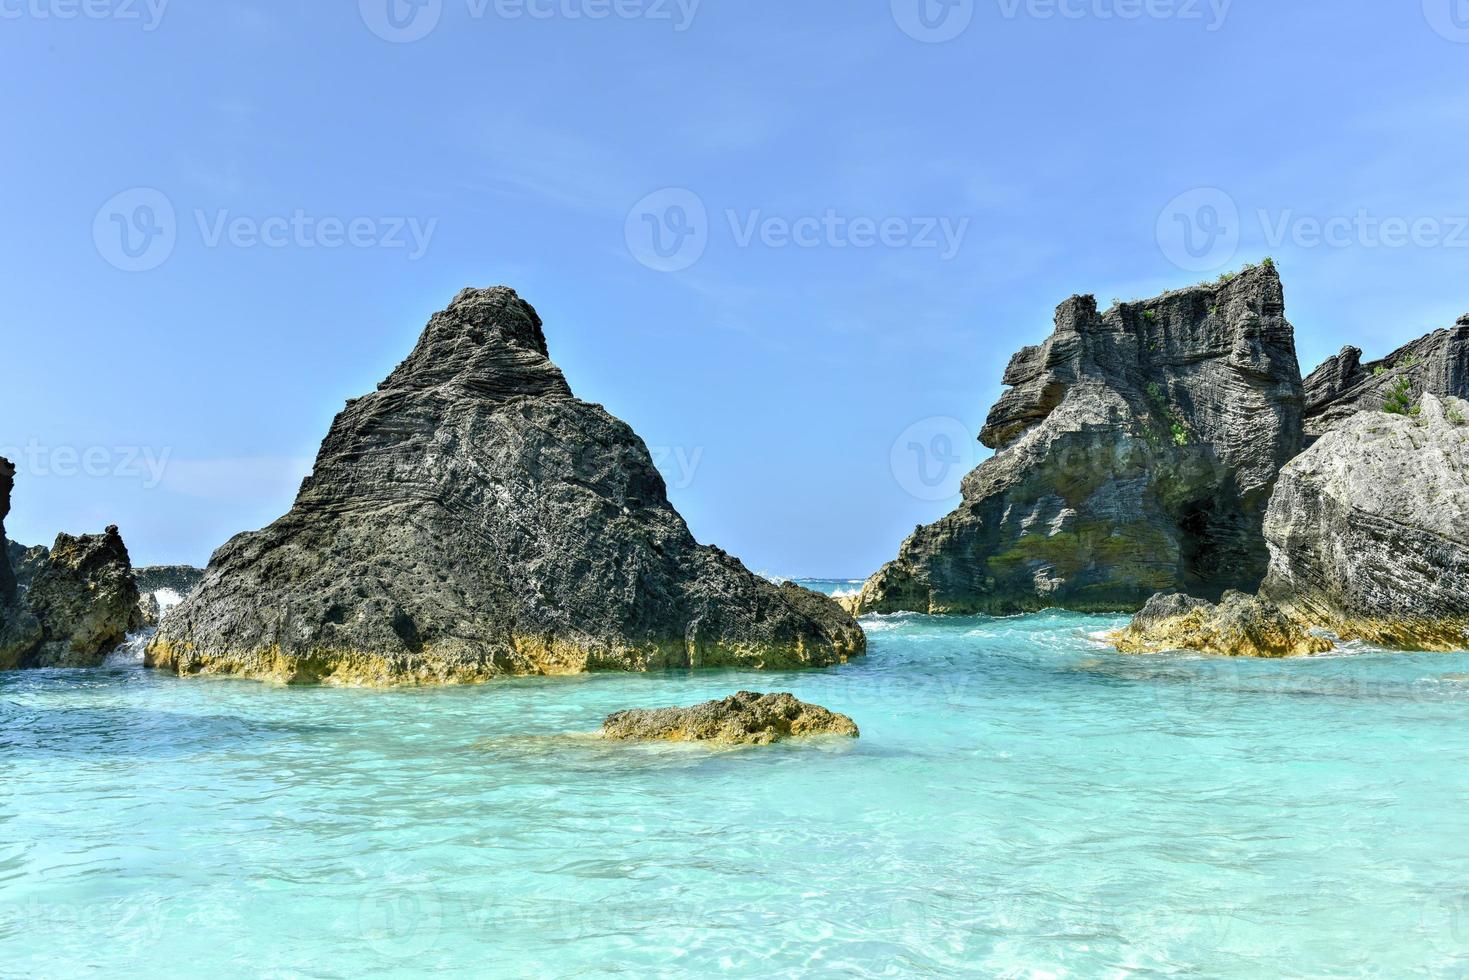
x,y
1369,540
744,719
471,519
1437,364
1135,452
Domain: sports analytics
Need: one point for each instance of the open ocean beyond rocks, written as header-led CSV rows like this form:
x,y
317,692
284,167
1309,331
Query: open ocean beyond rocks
x,y
1023,802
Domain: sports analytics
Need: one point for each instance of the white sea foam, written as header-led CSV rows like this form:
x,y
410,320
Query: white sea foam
x,y
129,653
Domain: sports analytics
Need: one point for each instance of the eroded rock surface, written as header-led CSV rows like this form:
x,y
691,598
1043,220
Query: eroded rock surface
x,y
746,718
470,519
1135,453
1437,364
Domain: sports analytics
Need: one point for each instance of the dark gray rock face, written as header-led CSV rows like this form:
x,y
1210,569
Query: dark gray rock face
x,y
472,519
1135,453
746,718
1437,364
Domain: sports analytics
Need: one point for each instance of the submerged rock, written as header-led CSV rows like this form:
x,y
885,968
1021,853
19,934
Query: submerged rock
x,y
1239,626
472,518
746,718
1437,364
1369,540
1135,453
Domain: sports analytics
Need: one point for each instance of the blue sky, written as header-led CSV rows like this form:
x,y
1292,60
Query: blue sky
x,y
862,209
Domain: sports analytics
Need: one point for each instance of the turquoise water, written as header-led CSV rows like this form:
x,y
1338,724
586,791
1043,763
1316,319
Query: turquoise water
x,y
1023,802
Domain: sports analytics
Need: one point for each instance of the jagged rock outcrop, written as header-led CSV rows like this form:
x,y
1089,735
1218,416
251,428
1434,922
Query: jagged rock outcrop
x,y
85,599
1239,625
1436,364
746,718
1369,540
1135,453
471,519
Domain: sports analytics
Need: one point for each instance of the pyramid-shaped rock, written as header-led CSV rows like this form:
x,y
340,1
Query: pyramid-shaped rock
x,y
472,518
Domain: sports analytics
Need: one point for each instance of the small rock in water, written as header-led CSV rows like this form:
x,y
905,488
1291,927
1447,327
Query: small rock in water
x,y
746,718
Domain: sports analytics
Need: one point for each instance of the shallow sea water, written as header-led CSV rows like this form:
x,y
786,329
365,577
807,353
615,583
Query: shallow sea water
x,y
1023,802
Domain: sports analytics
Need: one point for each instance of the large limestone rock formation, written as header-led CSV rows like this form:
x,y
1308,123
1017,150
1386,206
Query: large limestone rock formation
x,y
1135,453
1369,540
471,519
1437,364
744,719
